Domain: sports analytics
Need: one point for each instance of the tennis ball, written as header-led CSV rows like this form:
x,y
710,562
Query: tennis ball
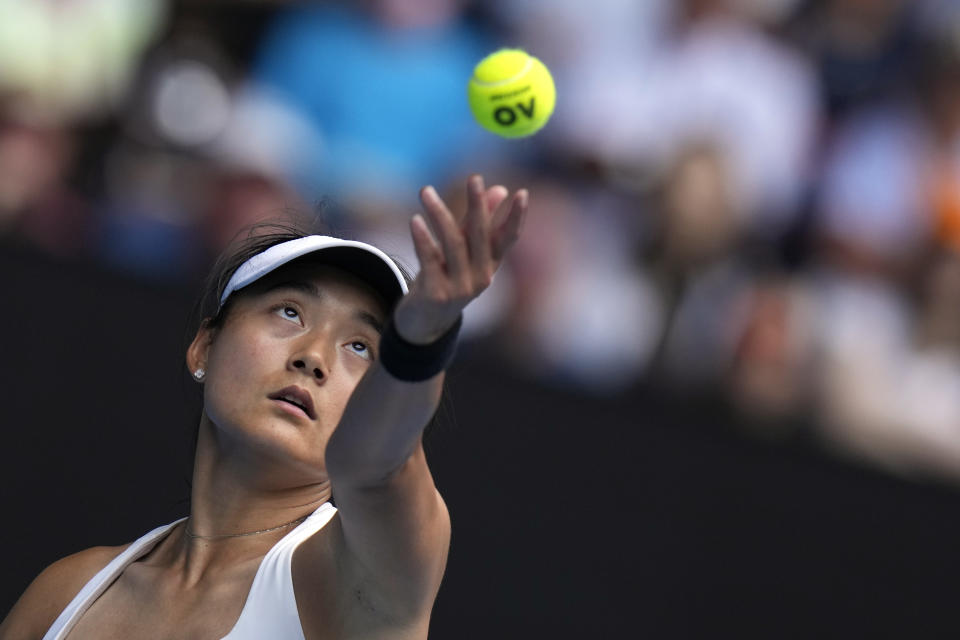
x,y
511,93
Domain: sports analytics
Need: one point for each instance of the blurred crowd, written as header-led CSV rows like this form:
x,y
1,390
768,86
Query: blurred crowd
x,y
756,198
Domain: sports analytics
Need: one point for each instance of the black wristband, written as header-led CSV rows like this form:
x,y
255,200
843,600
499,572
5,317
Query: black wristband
x,y
417,362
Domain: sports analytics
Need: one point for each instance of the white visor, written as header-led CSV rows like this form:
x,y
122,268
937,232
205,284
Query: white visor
x,y
359,258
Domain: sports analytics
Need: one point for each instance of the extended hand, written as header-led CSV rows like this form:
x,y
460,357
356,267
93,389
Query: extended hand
x,y
458,257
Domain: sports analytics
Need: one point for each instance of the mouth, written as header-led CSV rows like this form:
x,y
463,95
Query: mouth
x,y
296,397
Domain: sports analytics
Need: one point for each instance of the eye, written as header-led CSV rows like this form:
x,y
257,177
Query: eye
x,y
361,349
289,312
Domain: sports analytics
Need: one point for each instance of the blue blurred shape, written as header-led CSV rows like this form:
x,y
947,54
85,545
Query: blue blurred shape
x,y
146,246
389,103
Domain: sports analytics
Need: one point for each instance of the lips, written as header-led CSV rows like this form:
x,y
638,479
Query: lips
x,y
297,397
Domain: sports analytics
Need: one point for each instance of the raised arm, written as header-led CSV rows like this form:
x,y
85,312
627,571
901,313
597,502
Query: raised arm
x,y
395,524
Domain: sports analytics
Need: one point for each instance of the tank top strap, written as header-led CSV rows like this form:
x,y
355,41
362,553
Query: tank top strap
x,y
103,579
271,607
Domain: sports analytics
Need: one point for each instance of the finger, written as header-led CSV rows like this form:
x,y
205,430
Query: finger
x,y
428,250
505,235
495,196
499,216
478,230
448,233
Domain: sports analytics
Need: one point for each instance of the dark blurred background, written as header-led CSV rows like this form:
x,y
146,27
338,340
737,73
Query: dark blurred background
x,y
715,392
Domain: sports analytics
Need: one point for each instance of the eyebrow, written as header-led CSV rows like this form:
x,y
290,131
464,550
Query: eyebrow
x,y
311,289
300,285
371,320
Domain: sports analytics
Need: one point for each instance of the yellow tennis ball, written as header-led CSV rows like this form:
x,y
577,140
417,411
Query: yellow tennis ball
x,y
511,93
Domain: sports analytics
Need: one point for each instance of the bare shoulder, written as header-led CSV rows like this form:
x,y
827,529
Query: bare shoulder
x,y
52,590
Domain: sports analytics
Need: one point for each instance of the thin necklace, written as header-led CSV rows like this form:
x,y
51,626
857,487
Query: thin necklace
x,y
191,534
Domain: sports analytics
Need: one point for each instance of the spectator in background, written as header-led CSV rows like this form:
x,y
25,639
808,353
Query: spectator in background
x,y
861,49
36,202
723,83
891,373
63,65
725,134
383,84
73,60
202,154
569,309
156,174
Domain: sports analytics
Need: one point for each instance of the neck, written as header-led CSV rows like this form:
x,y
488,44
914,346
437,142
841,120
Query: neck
x,y
222,536
238,492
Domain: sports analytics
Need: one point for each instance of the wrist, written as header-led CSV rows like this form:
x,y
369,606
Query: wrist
x,y
419,326
416,362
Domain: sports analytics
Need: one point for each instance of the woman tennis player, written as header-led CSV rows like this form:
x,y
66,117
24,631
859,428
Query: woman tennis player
x,y
320,370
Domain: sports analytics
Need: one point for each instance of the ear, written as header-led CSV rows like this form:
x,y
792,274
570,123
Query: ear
x,y
198,350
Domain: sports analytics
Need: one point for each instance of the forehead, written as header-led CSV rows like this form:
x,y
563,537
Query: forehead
x,y
321,278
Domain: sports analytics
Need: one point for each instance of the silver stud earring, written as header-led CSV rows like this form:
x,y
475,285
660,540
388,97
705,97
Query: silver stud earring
x,y
199,374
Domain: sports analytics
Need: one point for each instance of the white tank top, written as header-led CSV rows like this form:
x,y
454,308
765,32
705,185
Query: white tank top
x,y
271,607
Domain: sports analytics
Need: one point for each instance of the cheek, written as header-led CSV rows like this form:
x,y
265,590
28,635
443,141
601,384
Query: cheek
x,y
333,405
236,368
342,384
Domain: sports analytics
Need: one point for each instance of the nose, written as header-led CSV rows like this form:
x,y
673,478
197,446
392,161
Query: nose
x,y
316,371
312,360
